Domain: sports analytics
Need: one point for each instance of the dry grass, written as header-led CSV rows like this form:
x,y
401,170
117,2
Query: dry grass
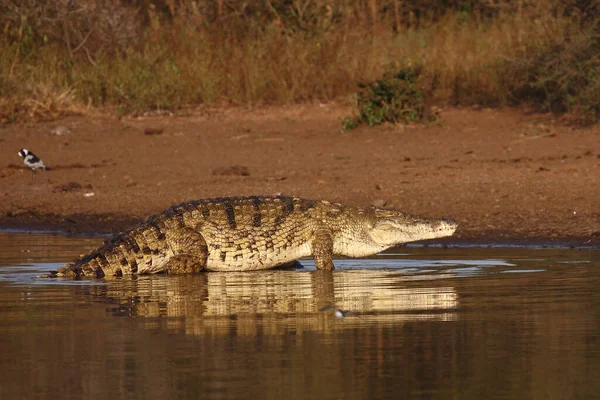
x,y
148,59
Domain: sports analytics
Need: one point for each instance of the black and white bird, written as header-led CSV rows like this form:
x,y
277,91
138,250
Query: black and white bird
x,y
32,161
338,313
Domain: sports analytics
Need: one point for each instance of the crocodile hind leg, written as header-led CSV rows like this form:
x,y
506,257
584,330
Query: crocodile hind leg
x,y
322,249
189,252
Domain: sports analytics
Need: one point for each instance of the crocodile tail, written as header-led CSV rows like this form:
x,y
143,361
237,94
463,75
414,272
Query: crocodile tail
x,y
87,266
109,259
128,252
123,254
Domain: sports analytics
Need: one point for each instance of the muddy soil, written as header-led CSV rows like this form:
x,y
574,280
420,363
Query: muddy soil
x,y
506,175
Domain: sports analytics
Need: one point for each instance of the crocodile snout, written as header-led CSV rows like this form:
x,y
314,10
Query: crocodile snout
x,y
450,222
445,226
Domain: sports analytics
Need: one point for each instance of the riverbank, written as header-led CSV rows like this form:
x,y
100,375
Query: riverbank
x,y
506,175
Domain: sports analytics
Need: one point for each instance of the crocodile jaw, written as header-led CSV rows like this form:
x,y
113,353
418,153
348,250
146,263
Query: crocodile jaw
x,y
402,228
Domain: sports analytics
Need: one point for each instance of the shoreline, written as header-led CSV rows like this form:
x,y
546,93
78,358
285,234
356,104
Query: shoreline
x,y
107,225
506,175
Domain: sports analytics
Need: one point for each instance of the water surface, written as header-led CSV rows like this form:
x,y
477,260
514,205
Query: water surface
x,y
426,323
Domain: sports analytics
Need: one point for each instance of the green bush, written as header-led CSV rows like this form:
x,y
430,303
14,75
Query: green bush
x,y
398,97
562,78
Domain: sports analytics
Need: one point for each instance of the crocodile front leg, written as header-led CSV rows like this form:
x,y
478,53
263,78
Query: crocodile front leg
x,y
322,249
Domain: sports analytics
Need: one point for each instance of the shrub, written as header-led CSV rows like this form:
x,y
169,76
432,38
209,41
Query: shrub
x,y
563,77
398,97
138,55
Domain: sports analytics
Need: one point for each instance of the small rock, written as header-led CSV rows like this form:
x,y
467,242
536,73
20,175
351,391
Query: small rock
x,y
237,170
68,187
275,178
378,203
543,169
153,131
16,213
61,130
378,186
88,194
5,172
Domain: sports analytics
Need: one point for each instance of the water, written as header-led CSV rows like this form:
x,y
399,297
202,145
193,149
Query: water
x,y
426,323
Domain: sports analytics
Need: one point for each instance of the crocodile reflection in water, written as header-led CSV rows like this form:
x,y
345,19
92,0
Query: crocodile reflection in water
x,y
278,300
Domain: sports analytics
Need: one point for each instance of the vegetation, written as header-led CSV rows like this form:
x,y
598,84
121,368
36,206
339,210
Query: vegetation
x,y
139,55
398,97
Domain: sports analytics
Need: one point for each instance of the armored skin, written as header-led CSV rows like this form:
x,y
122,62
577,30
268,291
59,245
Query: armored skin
x,y
252,233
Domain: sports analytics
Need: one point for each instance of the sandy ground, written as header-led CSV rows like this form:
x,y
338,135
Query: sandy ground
x,y
506,175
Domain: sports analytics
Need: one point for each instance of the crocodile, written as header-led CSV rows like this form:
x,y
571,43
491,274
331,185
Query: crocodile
x,y
252,233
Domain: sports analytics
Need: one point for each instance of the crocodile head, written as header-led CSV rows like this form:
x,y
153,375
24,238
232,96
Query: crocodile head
x,y
376,230
390,228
